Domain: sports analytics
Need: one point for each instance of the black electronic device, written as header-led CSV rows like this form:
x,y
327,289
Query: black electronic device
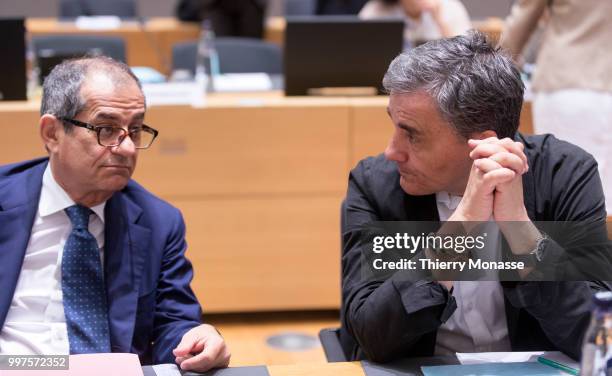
x,y
326,53
13,78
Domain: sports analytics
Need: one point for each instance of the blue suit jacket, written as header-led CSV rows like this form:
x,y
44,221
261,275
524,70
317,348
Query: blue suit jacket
x,y
146,273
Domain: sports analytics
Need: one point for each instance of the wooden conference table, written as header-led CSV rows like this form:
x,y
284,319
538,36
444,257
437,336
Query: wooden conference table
x,y
413,366
302,369
259,179
322,369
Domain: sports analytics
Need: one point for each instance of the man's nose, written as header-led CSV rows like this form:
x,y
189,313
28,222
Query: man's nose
x,y
126,147
395,150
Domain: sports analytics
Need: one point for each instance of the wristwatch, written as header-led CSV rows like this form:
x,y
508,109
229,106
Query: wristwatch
x,y
537,254
538,251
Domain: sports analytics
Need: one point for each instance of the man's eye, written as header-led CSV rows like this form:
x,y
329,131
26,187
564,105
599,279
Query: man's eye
x,y
410,135
106,131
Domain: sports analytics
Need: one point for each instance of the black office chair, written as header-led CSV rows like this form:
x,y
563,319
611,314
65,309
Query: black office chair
x,y
330,337
330,341
75,8
71,45
300,7
236,55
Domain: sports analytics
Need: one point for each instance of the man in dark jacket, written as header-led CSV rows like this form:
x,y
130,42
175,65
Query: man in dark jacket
x,y
240,18
455,155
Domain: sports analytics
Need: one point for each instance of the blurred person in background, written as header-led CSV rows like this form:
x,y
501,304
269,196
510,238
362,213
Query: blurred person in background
x,y
425,19
572,81
240,18
339,6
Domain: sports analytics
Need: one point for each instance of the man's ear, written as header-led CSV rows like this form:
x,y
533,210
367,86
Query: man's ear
x,y
483,135
51,130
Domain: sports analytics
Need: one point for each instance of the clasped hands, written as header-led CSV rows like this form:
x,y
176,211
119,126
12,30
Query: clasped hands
x,y
495,186
495,190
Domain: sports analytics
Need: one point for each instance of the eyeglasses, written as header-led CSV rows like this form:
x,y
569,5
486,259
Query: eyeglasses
x,y
109,136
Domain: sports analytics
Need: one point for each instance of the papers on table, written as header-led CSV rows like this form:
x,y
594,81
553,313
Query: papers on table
x,y
98,22
192,93
494,369
166,370
499,357
508,363
233,82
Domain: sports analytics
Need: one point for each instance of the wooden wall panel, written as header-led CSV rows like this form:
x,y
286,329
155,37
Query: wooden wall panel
x,y
20,138
272,253
227,151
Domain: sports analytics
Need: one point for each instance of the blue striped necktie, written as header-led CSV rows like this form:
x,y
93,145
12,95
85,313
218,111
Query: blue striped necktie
x,y
83,289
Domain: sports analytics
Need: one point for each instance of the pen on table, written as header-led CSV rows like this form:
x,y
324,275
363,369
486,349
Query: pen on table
x,y
558,365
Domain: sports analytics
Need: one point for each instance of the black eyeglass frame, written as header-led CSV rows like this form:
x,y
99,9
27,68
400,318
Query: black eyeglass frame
x,y
98,128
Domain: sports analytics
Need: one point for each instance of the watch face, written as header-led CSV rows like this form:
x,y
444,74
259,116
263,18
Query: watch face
x,y
539,252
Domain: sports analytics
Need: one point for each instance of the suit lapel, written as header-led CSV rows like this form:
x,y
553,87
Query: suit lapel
x,y
422,208
19,198
125,248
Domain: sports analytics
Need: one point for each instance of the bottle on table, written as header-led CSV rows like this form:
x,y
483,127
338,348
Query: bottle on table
x,y
207,60
597,347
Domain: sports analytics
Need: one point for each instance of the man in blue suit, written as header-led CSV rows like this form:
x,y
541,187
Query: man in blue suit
x,y
91,261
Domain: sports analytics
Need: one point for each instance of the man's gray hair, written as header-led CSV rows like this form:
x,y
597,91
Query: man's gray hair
x,y
476,87
62,87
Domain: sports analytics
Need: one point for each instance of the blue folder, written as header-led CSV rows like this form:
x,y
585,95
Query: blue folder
x,y
494,369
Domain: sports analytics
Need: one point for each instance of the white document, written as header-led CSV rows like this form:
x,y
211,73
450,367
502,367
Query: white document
x,y
232,82
98,22
166,370
499,357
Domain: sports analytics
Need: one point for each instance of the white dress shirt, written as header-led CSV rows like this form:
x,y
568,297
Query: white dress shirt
x,y
35,323
479,322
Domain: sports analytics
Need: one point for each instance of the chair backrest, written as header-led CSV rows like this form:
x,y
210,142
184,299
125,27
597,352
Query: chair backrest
x,y
52,50
330,337
236,55
300,7
330,341
75,8
79,45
